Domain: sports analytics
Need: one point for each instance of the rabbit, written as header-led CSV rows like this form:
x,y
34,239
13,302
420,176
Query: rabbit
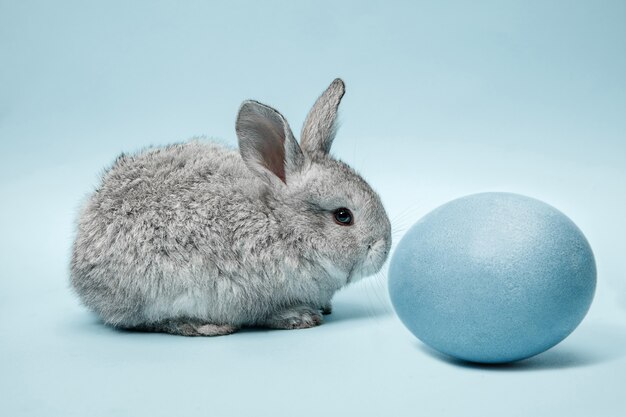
x,y
197,239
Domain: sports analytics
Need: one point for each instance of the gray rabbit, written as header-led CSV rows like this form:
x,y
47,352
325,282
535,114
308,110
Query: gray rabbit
x,y
198,239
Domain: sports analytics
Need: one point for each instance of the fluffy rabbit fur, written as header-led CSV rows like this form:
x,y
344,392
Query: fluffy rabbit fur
x,y
199,239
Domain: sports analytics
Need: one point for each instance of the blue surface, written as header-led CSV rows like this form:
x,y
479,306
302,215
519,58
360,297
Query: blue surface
x,y
444,99
492,278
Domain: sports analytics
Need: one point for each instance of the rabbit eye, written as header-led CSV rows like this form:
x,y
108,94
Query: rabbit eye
x,y
343,216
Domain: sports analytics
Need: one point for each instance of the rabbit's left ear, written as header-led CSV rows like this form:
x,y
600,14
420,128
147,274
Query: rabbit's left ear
x,y
266,143
320,125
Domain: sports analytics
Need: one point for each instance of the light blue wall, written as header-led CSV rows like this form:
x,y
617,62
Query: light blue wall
x,y
443,99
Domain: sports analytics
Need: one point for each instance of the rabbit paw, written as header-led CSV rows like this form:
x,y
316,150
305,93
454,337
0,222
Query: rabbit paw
x,y
300,317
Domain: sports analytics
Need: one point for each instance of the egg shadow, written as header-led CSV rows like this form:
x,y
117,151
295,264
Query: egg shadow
x,y
591,344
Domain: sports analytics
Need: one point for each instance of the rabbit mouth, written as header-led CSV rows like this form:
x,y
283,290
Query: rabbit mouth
x,y
371,262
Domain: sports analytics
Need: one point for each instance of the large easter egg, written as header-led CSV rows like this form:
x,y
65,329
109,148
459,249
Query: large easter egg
x,y
492,278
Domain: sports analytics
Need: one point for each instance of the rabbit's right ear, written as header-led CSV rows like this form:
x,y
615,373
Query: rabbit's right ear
x,y
266,143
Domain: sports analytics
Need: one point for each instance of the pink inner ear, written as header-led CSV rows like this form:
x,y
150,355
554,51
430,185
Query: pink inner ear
x,y
272,149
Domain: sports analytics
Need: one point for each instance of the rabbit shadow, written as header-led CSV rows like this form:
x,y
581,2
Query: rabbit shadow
x,y
591,344
343,311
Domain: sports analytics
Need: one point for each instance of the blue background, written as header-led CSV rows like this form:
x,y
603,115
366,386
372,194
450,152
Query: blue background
x,y
443,99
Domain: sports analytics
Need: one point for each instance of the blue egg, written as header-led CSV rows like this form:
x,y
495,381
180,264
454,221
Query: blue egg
x,y
492,278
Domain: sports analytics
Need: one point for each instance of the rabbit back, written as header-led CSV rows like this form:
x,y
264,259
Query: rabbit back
x,y
164,235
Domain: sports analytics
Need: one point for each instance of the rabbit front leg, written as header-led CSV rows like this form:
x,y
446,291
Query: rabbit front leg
x,y
297,317
327,308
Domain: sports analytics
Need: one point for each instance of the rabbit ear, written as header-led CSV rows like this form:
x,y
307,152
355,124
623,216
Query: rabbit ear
x,y
319,127
266,143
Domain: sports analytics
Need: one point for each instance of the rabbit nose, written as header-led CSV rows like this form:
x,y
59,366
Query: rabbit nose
x,y
382,245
